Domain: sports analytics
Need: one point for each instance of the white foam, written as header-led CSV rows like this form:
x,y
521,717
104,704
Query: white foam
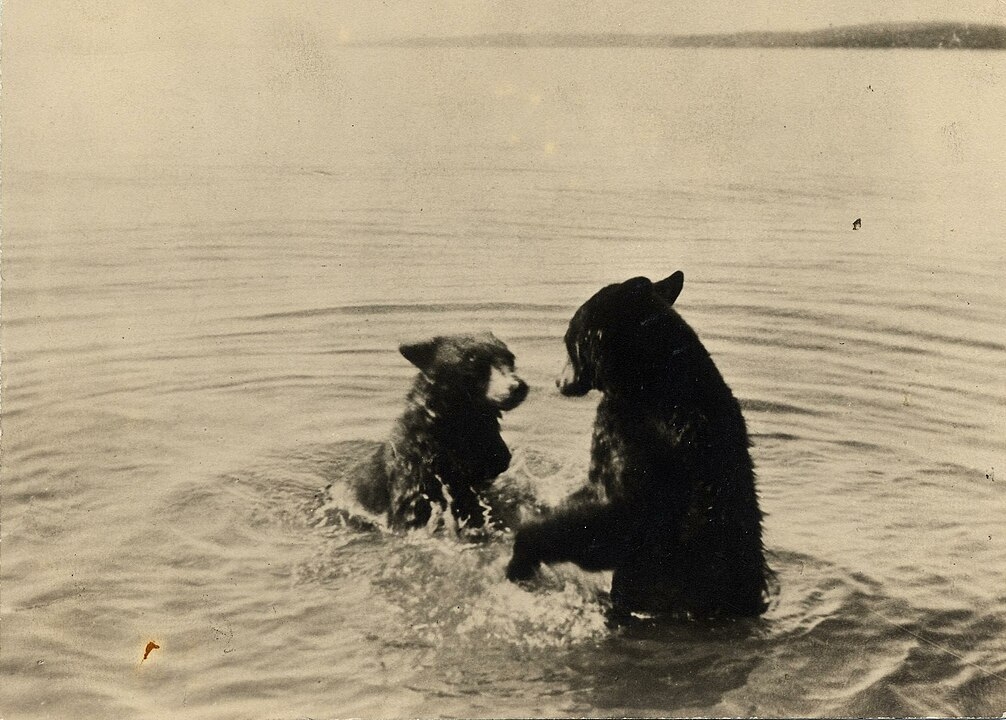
x,y
563,609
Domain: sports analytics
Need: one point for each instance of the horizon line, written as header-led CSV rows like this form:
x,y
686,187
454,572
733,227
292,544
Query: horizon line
x,y
894,35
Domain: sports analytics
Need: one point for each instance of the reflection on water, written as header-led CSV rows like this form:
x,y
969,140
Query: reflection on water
x,y
199,337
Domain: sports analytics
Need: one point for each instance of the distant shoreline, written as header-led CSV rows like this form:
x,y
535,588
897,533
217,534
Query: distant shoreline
x,y
930,36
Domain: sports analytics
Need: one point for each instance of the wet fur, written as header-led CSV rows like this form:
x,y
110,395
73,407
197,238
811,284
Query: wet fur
x,y
670,503
437,468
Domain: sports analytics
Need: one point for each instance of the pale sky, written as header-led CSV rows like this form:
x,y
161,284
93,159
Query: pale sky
x,y
130,25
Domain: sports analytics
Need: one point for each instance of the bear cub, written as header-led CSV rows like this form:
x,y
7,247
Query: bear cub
x,y
670,503
445,450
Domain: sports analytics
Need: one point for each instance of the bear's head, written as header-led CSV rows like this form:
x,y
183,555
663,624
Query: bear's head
x,y
473,369
621,334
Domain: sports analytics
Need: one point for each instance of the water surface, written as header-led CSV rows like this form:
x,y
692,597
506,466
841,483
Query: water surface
x,y
209,262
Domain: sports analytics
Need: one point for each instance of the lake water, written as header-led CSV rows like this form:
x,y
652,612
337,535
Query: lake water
x,y
210,259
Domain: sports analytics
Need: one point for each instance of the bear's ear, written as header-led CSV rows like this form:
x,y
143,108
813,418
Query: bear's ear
x,y
670,287
420,354
638,286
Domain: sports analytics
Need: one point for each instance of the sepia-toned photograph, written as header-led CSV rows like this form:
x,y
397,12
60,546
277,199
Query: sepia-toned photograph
x,y
444,359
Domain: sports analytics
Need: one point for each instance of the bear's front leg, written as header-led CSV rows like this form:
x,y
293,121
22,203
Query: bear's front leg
x,y
525,561
592,536
497,458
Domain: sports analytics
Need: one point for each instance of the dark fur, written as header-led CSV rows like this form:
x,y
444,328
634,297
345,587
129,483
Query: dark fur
x,y
445,450
670,504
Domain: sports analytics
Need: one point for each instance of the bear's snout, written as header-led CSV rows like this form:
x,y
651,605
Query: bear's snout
x,y
569,384
506,390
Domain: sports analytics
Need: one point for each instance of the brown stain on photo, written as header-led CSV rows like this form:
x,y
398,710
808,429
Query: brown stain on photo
x,y
151,646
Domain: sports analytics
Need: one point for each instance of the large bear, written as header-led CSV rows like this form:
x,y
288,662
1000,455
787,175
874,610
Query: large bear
x,y
670,504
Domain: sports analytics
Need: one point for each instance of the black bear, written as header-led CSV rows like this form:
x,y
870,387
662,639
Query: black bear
x,y
670,504
446,450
